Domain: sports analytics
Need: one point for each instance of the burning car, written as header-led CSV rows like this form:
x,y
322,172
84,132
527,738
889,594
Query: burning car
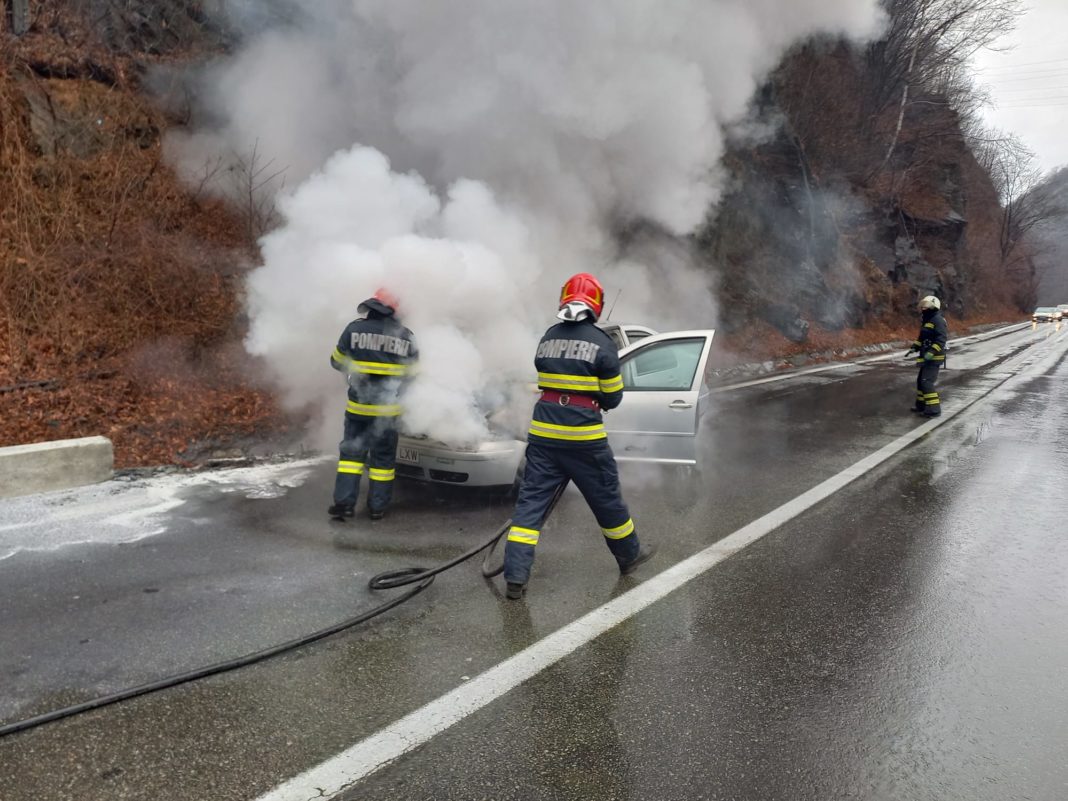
x,y
665,396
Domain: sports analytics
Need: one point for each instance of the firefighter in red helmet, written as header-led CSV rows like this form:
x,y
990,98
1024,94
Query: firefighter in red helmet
x,y
579,378
377,355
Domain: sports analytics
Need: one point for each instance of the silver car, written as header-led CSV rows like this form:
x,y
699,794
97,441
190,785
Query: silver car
x,y
665,396
624,334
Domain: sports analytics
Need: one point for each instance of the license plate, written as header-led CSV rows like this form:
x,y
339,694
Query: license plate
x,y
410,455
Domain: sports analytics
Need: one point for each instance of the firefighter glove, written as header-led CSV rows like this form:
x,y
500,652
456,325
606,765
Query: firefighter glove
x,y
928,356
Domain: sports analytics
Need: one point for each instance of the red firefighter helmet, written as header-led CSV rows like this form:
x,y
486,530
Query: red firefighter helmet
x,y
383,302
582,288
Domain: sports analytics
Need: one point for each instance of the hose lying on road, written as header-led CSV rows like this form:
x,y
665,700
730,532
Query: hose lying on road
x,y
391,579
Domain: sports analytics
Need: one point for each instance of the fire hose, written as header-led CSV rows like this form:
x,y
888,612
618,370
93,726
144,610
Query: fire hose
x,y
391,579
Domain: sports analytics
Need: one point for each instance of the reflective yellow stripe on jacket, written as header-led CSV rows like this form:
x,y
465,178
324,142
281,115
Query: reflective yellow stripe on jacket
x,y
567,433
609,385
369,368
373,410
568,383
380,368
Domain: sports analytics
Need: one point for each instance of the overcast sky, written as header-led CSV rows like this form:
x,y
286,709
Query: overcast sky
x,y
1029,81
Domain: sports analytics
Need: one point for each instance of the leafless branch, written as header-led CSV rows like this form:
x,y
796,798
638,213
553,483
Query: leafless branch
x,y
255,184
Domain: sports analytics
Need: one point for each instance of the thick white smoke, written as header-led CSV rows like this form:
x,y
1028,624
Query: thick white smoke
x,y
471,155
461,266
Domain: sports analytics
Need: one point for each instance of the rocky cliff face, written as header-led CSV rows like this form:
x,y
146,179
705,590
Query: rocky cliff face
x,y
822,228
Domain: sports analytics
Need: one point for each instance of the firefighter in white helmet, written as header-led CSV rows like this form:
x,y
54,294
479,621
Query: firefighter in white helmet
x,y
930,349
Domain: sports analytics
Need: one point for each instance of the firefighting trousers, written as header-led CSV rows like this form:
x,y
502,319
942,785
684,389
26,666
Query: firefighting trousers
x,y
927,400
593,469
370,445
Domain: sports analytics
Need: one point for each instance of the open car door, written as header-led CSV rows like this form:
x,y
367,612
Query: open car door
x,y
664,395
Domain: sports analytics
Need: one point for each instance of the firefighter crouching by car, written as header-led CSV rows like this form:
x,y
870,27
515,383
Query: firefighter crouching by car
x,y
579,376
378,355
930,346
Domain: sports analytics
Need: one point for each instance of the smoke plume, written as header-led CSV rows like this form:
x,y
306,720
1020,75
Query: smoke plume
x,y
471,155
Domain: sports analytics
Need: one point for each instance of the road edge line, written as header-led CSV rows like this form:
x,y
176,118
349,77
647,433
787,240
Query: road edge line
x,y
824,368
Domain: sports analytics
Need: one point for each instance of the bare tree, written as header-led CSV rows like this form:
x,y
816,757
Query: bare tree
x,y
1049,241
254,185
248,182
1029,198
928,45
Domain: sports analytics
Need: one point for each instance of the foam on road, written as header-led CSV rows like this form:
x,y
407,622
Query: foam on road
x,y
130,509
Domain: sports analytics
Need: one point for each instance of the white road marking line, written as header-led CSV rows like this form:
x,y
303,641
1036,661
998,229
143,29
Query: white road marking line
x,y
413,730
867,360
784,377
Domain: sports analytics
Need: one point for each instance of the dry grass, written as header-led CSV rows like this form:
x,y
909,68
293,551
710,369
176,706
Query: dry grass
x,y
174,412
103,256
102,248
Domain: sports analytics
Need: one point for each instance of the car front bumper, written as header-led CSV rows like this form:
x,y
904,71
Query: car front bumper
x,y
489,464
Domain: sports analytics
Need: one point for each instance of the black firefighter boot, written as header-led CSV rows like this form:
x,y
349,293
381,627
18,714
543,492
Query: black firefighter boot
x,y
340,511
645,553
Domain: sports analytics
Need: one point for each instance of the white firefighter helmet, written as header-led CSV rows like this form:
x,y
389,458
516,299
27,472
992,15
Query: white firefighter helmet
x,y
930,302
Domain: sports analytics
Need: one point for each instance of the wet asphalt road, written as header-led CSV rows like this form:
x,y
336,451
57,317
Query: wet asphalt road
x,y
905,638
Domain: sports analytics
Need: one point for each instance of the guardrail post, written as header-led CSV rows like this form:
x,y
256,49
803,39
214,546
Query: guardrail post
x,y
19,15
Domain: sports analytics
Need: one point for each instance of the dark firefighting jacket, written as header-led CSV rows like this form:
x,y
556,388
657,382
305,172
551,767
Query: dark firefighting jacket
x,y
933,337
575,360
378,355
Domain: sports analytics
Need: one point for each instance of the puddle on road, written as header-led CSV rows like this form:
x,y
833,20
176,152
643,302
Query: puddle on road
x,y
952,451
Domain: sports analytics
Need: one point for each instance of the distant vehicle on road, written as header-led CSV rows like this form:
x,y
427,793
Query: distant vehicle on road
x,y
663,376
1063,309
1045,314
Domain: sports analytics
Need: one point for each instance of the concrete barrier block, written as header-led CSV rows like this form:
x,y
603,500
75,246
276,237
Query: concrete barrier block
x,y
46,466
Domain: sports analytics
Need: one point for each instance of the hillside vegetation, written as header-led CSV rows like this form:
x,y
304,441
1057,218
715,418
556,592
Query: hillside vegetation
x,y
120,287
